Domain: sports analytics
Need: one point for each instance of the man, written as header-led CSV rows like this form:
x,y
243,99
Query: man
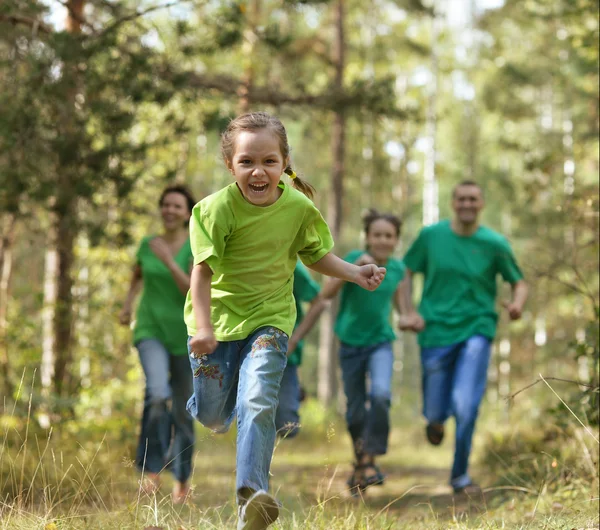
x,y
460,260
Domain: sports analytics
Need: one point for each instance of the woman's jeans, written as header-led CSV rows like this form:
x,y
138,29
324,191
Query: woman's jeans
x,y
454,381
167,434
242,377
368,427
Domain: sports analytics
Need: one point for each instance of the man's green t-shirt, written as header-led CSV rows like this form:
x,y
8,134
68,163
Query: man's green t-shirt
x,y
159,311
459,293
252,251
364,316
305,290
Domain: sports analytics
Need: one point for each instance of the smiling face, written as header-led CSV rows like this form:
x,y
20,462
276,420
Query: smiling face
x,y
257,164
174,211
467,203
382,239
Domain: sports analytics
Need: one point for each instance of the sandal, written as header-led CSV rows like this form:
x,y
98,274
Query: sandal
x,y
358,481
354,482
375,479
435,433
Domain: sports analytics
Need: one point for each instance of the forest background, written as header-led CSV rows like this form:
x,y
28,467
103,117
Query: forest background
x,y
388,104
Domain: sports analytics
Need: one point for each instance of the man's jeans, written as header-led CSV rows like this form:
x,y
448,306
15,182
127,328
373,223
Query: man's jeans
x,y
243,377
454,380
287,418
369,428
167,434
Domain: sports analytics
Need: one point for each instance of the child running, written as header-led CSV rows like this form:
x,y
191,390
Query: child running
x,y
365,333
240,309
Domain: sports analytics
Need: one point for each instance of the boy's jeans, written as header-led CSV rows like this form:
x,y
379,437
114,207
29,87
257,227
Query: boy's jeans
x,y
167,435
454,381
369,428
287,418
243,377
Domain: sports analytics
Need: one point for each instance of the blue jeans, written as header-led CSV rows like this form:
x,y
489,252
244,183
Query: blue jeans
x,y
167,433
454,380
243,377
369,428
287,418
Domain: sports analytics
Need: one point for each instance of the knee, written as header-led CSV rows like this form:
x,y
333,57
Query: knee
x,y
209,419
465,410
380,399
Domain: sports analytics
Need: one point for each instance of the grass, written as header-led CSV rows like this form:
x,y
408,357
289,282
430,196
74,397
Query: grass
x,y
80,476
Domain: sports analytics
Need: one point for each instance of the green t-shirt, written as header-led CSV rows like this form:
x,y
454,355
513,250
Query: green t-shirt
x,y
305,290
459,294
364,316
252,251
159,311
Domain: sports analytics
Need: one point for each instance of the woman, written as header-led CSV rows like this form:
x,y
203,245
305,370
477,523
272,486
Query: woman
x,y
163,265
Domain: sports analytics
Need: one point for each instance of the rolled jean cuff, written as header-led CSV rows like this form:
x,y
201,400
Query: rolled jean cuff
x,y
461,482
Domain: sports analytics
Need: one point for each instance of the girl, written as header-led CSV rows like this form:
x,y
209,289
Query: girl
x,y
163,266
240,310
365,333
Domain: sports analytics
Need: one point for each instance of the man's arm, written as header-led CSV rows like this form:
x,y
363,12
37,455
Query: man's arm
x,y
520,292
410,319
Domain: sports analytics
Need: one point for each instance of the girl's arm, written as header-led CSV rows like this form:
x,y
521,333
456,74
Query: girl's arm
x,y
203,342
135,285
367,276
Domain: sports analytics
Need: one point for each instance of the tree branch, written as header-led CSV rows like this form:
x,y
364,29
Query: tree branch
x,y
138,14
33,23
329,100
512,396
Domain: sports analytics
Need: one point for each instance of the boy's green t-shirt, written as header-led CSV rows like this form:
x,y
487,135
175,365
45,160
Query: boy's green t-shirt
x,y
459,293
252,252
159,311
305,290
364,316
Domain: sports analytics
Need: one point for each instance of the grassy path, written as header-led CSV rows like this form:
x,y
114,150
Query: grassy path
x,y
83,482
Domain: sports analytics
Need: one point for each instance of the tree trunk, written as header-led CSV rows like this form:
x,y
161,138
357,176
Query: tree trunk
x,y
66,231
327,385
48,315
430,185
63,315
248,51
6,245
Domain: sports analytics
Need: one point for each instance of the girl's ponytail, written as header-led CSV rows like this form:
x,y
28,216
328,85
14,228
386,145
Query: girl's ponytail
x,y
299,184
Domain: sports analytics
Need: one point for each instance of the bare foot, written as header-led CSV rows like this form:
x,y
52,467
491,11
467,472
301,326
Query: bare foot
x,y
181,492
150,483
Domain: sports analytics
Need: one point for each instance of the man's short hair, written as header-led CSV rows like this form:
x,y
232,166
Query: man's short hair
x,y
466,183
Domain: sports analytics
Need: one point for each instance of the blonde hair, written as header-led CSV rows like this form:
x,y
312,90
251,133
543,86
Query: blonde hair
x,y
255,121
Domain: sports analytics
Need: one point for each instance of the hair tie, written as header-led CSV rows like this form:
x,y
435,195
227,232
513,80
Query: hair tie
x,y
293,175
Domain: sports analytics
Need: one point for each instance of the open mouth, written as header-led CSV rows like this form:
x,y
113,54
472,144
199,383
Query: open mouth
x,y
258,188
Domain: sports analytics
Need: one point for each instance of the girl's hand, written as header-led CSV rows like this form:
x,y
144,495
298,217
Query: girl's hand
x,y
161,250
203,343
370,276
